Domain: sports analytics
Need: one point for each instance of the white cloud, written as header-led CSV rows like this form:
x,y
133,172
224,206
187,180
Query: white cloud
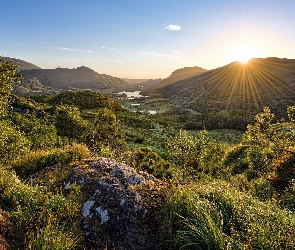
x,y
110,61
161,55
173,27
70,49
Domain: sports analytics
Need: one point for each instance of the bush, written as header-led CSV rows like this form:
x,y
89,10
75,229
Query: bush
x,y
40,132
13,143
196,154
145,159
105,133
68,122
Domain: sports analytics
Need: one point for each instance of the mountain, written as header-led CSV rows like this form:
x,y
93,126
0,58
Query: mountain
x,y
77,78
38,80
187,71
236,86
22,65
178,75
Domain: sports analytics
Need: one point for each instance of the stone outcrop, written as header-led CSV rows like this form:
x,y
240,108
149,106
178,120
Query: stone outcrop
x,y
121,206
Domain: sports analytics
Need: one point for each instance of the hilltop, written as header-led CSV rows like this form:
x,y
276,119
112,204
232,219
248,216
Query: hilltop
x,y
178,75
79,78
38,80
236,86
21,64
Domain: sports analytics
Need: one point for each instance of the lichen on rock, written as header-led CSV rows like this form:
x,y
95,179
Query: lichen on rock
x,y
116,212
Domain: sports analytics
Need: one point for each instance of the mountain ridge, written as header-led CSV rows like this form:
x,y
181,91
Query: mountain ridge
x,y
236,86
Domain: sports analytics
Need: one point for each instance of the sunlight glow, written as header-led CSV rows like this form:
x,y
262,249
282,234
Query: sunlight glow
x,y
243,53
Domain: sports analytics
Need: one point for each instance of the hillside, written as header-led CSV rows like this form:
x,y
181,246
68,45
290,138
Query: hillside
x,y
249,87
187,71
22,65
179,75
79,78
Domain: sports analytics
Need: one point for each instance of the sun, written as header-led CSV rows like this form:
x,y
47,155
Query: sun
x,y
243,53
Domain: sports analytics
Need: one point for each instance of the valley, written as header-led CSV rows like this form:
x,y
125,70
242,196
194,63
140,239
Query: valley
x,y
83,154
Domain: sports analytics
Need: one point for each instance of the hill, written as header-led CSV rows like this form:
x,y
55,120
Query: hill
x,y
178,75
236,86
187,71
22,65
77,78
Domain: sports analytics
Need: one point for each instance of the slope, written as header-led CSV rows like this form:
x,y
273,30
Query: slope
x,y
179,75
22,65
79,78
248,87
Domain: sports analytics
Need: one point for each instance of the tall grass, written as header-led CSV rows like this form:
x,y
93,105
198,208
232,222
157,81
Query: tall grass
x,y
214,215
37,218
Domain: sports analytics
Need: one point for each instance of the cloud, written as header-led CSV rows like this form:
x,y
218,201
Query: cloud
x,y
70,49
110,61
173,27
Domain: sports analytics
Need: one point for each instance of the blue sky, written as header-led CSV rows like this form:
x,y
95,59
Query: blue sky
x,y
145,38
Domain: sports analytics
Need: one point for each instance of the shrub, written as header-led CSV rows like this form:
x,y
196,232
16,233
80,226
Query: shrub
x,y
40,132
68,122
196,154
146,160
13,143
105,132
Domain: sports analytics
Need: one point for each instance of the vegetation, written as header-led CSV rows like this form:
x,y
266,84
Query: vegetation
x,y
220,186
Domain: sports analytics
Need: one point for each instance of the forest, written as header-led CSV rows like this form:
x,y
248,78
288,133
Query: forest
x,y
227,179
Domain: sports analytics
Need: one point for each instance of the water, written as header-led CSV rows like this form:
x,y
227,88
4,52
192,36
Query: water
x,y
131,94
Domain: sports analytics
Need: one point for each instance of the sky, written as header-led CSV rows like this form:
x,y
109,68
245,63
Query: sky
x,y
145,39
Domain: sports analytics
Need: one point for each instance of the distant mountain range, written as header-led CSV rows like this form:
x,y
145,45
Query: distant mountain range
x,y
55,80
248,87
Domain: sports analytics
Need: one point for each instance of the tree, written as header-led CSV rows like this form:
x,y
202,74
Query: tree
x,y
266,142
106,132
12,142
9,74
68,122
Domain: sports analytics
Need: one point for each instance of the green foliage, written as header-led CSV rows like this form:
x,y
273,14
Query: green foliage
x,y
291,113
145,159
45,98
68,122
38,219
9,74
13,143
86,100
266,143
34,161
214,215
105,132
40,132
196,154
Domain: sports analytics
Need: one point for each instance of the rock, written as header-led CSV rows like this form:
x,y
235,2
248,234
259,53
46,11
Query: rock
x,y
117,212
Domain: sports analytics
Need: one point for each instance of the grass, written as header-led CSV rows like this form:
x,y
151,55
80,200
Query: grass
x,y
37,218
214,215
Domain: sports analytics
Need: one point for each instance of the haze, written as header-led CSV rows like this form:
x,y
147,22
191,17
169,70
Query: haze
x,y
145,39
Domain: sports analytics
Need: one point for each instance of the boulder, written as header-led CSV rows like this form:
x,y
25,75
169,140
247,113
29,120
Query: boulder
x,y
121,207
